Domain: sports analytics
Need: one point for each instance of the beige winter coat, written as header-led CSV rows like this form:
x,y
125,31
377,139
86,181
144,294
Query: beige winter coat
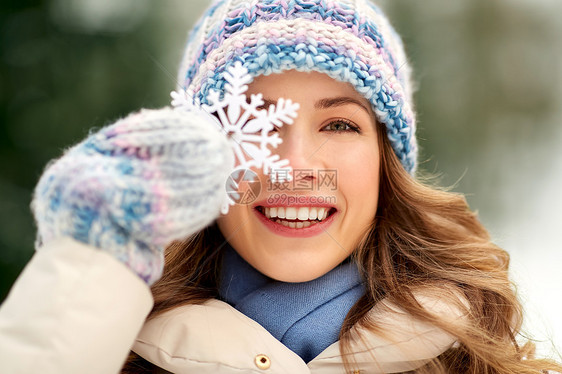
x,y
76,309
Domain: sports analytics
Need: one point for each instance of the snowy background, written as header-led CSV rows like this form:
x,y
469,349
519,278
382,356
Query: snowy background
x,y
489,104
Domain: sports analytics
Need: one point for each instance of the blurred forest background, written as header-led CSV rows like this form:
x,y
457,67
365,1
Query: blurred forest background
x,y
490,89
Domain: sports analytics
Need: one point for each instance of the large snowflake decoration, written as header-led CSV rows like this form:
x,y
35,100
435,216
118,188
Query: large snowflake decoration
x,y
247,126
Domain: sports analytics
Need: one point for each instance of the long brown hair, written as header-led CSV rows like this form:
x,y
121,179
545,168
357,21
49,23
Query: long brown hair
x,y
422,237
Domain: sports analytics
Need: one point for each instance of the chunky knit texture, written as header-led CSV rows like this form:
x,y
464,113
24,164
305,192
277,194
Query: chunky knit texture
x,y
133,187
349,40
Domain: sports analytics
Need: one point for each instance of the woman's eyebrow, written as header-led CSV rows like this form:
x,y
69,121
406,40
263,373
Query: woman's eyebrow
x,y
339,101
325,103
267,103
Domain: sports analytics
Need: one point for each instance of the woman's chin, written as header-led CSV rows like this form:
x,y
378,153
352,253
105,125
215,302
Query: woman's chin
x,y
292,266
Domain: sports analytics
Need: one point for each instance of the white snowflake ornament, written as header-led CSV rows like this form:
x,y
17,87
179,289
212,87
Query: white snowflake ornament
x,y
248,128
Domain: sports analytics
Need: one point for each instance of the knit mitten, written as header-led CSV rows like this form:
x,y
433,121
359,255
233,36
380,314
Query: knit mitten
x,y
135,186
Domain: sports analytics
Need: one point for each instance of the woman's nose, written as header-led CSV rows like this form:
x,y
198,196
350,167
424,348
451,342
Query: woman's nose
x,y
299,148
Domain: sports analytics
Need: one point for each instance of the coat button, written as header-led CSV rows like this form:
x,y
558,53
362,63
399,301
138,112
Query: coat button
x,y
262,362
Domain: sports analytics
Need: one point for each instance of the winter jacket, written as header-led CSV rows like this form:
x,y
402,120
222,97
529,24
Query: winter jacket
x,y
75,309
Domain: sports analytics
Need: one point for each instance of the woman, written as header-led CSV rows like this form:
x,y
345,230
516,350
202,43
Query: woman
x,y
389,275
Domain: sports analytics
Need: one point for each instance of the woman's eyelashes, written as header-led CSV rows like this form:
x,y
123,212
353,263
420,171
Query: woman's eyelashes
x,y
341,125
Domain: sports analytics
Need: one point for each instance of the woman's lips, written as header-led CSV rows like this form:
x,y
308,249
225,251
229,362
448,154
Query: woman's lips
x,y
301,221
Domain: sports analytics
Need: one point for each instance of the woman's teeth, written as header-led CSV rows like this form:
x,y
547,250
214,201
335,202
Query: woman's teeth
x,y
304,216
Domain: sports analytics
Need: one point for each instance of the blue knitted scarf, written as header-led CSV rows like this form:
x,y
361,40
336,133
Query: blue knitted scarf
x,y
306,317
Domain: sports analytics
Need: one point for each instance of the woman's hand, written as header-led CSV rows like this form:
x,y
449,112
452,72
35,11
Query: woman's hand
x,y
133,187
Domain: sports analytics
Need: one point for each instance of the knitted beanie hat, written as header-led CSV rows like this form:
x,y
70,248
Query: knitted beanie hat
x,y
349,40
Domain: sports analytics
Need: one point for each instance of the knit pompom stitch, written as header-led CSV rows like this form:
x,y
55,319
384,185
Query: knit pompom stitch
x,y
349,40
133,187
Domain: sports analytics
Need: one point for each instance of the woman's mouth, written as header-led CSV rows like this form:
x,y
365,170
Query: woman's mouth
x,y
296,217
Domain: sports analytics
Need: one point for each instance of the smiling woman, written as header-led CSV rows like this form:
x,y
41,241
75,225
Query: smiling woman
x,y
373,272
334,130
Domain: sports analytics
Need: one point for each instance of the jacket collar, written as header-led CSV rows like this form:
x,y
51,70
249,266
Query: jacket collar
x,y
213,337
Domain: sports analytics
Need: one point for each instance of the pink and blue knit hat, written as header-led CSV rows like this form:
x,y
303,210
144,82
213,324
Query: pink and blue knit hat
x,y
349,40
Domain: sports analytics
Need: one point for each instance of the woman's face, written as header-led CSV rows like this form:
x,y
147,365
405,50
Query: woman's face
x,y
299,230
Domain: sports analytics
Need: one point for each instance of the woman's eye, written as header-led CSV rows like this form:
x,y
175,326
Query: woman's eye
x,y
341,126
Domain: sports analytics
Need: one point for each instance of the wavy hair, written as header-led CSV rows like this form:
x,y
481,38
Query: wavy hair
x,y
422,237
